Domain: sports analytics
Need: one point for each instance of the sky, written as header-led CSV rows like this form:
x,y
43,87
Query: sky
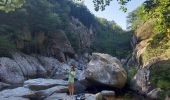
x,y
112,12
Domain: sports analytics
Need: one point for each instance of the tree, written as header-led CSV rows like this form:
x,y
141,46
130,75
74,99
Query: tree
x,y
10,5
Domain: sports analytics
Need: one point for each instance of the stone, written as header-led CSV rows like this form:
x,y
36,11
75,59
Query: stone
x,y
10,71
79,88
60,96
155,93
105,95
13,98
29,65
4,85
57,89
41,83
17,92
106,70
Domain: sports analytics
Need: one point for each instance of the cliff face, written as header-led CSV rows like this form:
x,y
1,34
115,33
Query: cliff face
x,y
152,60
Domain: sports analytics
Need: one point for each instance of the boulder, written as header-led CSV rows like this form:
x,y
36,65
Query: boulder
x,y
10,72
79,88
60,96
57,89
29,65
64,96
41,84
55,68
105,95
143,80
17,92
4,85
13,98
106,70
155,93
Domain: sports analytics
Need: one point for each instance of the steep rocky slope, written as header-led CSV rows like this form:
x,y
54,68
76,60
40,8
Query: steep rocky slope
x,y
152,61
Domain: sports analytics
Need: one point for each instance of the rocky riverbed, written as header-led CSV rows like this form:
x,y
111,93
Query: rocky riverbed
x,y
25,77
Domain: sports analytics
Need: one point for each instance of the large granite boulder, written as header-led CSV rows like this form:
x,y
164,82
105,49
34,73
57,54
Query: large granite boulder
x,y
10,72
106,70
29,65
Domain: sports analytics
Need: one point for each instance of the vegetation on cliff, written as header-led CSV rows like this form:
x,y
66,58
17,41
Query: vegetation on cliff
x,y
45,17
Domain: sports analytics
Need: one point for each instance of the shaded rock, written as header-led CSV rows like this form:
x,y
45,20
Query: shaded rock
x,y
54,67
59,96
48,92
10,71
105,95
79,88
59,46
29,65
142,81
17,92
41,84
13,98
64,96
3,85
107,70
155,93
84,40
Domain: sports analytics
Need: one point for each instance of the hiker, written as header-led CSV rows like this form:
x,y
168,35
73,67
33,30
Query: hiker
x,y
72,74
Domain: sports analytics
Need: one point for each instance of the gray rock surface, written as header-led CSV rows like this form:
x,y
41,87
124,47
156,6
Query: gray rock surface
x,y
106,70
29,65
57,89
155,93
4,85
41,84
13,98
10,72
17,92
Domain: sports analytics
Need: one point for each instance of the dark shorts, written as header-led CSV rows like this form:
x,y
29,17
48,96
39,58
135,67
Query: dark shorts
x,y
71,85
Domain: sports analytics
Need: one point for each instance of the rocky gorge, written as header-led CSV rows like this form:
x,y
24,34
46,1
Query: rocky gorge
x,y
38,77
42,39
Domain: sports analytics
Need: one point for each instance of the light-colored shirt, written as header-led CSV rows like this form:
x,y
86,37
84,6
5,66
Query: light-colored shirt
x,y
71,76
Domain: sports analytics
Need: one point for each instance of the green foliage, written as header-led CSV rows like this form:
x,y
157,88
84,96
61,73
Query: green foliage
x,y
156,10
109,38
10,5
132,72
5,47
160,76
6,44
48,16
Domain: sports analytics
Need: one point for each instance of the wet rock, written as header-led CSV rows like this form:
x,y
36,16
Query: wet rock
x,y
107,70
41,84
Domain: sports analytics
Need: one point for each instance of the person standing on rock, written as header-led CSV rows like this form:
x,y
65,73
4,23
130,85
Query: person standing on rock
x,y
72,75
